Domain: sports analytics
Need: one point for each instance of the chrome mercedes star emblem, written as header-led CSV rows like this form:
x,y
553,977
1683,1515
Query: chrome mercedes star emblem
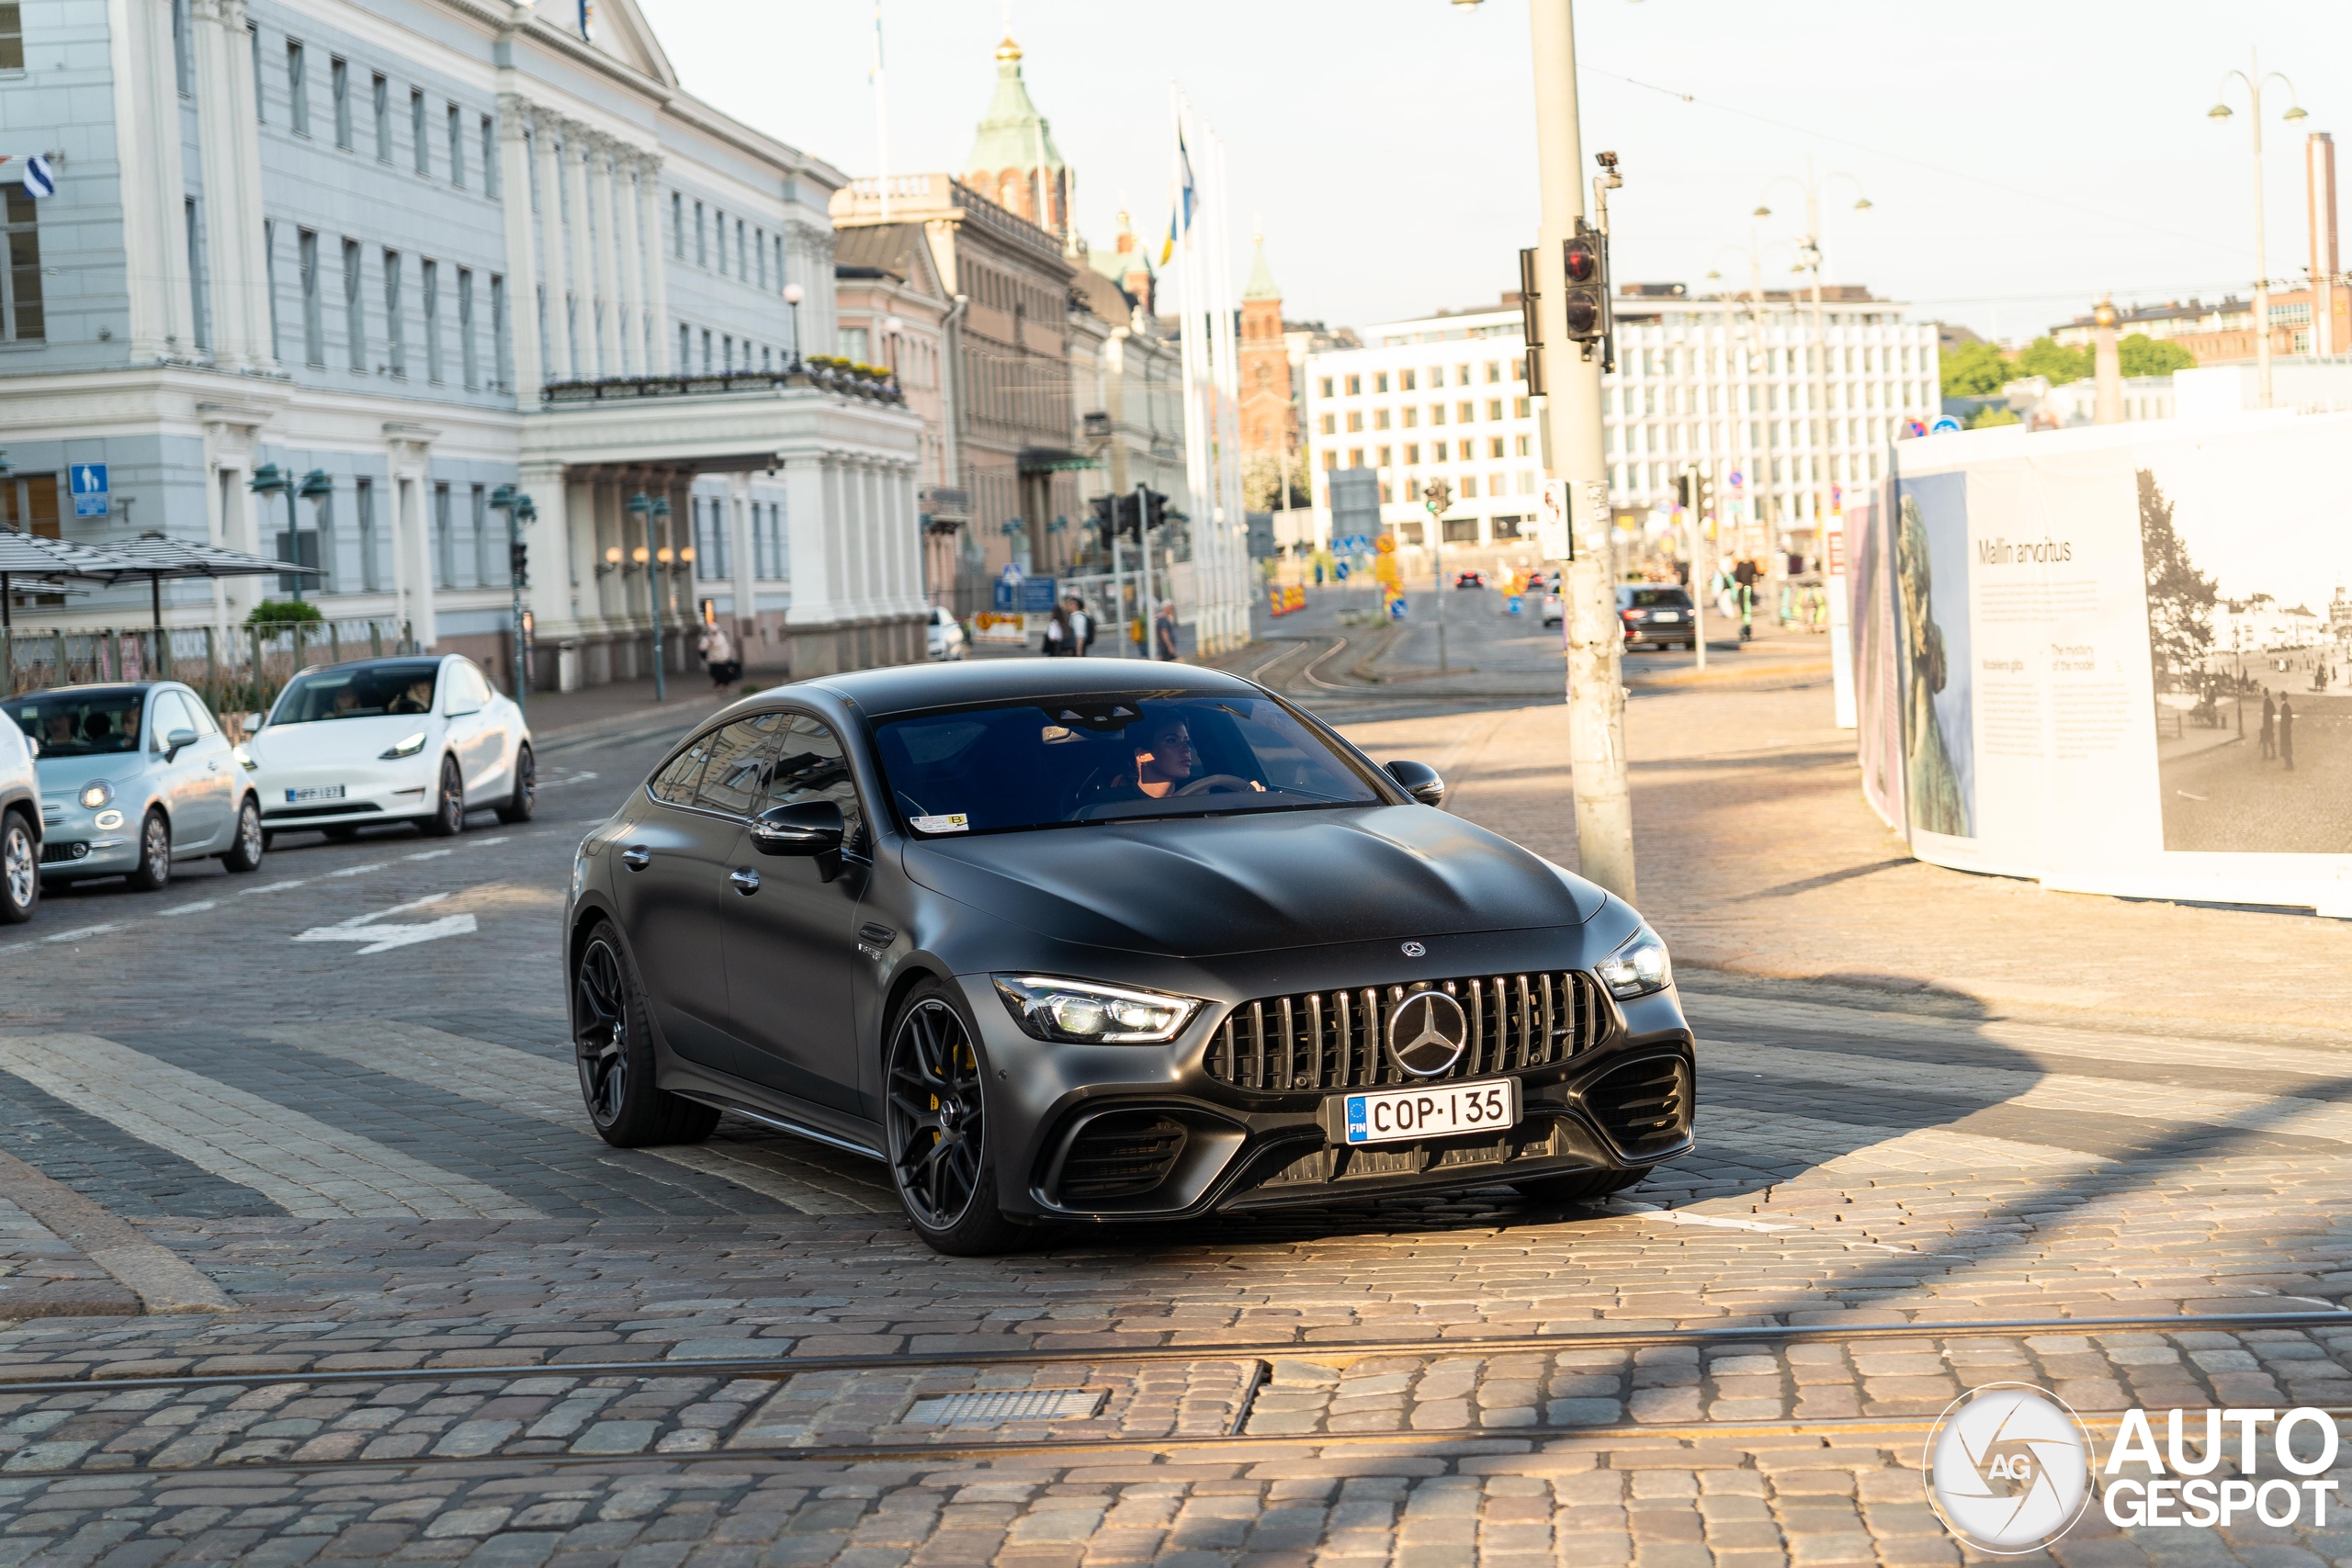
x,y
1415,949
1427,1033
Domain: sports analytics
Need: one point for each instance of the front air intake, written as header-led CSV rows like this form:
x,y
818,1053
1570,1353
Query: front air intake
x,y
1118,1156
1645,1107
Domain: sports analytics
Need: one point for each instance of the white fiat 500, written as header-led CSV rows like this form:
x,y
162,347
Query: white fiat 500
x,y
415,740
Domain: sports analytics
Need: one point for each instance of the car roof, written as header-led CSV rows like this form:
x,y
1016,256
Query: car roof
x,y
379,661
95,687
906,687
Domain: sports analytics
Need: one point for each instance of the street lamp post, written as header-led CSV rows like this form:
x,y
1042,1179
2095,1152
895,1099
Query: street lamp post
x,y
793,295
1809,259
520,511
1437,495
2254,79
658,506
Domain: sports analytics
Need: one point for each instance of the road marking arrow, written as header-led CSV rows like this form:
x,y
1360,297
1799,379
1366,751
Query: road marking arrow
x,y
381,938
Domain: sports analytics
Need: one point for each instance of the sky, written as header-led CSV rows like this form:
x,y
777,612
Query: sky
x,y
2021,157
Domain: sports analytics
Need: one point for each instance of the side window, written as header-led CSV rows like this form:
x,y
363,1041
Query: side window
x,y
675,785
470,683
738,757
812,768
167,713
204,723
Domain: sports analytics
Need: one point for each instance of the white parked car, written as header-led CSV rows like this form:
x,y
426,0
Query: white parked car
x,y
943,638
21,832
422,739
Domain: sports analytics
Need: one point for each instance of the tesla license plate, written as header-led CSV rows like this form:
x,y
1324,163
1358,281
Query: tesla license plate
x,y
316,791
1390,1115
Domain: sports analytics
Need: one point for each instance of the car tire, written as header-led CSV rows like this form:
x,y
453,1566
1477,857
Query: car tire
x,y
612,1038
524,803
1578,1186
448,818
154,872
19,870
935,1127
244,854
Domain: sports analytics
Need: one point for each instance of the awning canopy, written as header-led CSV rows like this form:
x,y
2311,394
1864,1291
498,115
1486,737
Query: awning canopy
x,y
151,556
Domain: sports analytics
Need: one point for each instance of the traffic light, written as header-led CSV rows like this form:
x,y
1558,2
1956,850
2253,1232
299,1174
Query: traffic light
x,y
1583,257
1106,518
1684,483
1531,321
519,559
1155,508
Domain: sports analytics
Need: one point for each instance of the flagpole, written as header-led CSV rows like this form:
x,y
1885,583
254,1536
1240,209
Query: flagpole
x,y
1189,341
881,115
1231,552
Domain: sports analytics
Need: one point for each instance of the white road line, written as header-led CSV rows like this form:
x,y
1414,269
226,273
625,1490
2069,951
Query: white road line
x,y
488,844
274,886
188,908
2065,1093
429,854
311,1171
547,1089
360,870
383,938
80,931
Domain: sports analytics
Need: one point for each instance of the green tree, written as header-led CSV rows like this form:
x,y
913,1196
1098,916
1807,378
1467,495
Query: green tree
x,y
2180,598
1261,482
2143,356
1995,413
1974,371
2042,356
277,612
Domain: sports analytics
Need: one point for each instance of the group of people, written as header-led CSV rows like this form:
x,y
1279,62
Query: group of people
x,y
1069,631
2279,729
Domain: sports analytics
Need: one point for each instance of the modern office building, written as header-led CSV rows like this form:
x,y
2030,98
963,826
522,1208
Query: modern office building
x,y
1734,385
419,250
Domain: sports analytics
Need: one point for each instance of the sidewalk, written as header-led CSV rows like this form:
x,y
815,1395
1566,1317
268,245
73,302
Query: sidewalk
x,y
621,710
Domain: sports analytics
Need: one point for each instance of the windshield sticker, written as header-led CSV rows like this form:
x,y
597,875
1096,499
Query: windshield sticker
x,y
955,822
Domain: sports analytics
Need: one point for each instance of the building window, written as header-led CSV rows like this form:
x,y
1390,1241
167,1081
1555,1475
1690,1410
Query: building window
x,y
1469,481
253,44
354,314
719,222
490,157
431,280
1412,454
314,337
339,85
1404,380
702,238
760,249
1493,408
480,521
395,326
297,92
1437,414
1355,420
21,318
727,353
444,547
183,66
197,321
1465,412
1412,419
421,148
1355,456
364,503
1330,424
678,225
1384,459
1525,445
686,349
457,119
1380,419
380,101
1380,381
1330,458
1327,386
1355,386
468,361
706,351
778,242
500,366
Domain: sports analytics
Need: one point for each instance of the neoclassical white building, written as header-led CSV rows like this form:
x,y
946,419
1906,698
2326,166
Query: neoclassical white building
x,y
416,250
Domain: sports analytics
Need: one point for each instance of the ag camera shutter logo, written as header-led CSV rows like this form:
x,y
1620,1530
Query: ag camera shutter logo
x,y
2008,1468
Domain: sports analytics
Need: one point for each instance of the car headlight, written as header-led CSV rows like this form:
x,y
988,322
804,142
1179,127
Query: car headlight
x,y
408,747
245,759
96,794
1638,966
1078,1011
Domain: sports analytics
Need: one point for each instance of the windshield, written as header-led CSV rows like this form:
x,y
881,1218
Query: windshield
x,y
365,691
79,723
1098,759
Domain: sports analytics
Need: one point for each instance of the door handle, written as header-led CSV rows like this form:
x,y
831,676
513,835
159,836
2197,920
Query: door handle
x,y
637,857
746,880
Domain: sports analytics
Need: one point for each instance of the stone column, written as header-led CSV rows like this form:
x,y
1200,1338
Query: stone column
x,y
628,274
812,489
523,270
550,598
656,298
744,570
230,150
604,240
580,265
553,275
149,179
409,454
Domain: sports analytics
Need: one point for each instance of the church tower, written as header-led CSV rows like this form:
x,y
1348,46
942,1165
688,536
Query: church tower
x,y
1269,416
1014,161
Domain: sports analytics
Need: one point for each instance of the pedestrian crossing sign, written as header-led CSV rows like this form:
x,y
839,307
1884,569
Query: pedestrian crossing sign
x,y
90,489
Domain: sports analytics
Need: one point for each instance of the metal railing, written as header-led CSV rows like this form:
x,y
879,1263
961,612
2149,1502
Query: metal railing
x,y
238,669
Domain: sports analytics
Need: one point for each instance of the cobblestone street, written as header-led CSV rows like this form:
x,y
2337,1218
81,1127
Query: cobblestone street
x,y
308,1252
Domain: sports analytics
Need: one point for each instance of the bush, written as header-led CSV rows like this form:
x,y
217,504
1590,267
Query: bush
x,y
277,612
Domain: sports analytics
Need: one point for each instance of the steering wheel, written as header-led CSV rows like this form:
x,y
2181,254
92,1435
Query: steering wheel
x,y
1225,782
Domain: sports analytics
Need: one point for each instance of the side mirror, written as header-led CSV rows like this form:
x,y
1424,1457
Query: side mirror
x,y
804,828
1421,780
253,722
177,741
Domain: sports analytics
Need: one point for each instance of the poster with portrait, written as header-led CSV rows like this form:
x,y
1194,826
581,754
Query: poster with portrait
x,y
1934,678
1871,616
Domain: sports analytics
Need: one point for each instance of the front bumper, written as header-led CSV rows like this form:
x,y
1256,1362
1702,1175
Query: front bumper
x,y
73,846
1140,1133
374,791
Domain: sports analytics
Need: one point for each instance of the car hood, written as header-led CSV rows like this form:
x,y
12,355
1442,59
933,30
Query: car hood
x,y
66,775
1201,887
336,740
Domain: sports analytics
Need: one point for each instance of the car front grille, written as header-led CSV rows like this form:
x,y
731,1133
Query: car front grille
x,y
1119,1155
1327,1040
1643,1106
340,809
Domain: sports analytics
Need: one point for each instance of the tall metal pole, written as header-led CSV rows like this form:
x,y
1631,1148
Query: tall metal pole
x,y
653,605
1595,694
2261,246
1437,581
1143,537
522,668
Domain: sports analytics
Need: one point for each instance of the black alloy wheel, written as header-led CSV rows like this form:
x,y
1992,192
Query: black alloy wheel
x,y
154,872
245,851
448,817
1578,1186
19,870
614,1044
936,1122
524,803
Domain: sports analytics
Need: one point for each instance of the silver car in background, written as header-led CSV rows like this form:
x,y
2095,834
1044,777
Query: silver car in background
x,y
134,778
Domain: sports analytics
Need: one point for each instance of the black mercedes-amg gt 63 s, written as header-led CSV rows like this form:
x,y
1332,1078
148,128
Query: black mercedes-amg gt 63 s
x,y
1064,940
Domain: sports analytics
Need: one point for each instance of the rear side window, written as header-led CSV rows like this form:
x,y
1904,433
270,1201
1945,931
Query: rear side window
x,y
737,767
675,785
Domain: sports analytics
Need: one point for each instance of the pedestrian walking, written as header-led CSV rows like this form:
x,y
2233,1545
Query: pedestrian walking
x,y
1164,629
2287,732
718,651
1081,627
2269,726
1058,633
1747,611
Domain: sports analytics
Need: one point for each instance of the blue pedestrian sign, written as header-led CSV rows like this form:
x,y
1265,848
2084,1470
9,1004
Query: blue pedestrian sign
x,y
1945,426
90,492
